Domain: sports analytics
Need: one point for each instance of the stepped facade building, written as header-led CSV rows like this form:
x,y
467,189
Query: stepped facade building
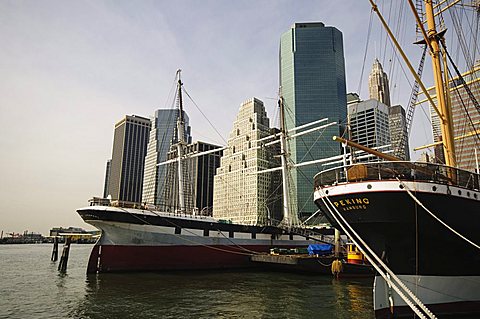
x,y
241,195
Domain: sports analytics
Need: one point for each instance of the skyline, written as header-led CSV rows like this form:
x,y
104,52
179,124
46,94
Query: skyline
x,y
71,70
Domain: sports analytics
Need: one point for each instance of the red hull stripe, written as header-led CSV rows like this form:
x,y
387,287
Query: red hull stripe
x,y
112,258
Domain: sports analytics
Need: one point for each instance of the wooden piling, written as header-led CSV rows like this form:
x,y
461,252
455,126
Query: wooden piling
x,y
62,265
55,249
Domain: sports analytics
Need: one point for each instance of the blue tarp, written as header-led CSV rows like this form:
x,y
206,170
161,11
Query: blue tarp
x,y
320,249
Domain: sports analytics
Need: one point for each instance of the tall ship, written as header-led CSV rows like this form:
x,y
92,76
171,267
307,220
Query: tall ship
x,y
140,237
418,222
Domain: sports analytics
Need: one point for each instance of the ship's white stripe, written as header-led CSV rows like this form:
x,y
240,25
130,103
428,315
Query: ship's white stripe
x,y
395,186
429,289
116,233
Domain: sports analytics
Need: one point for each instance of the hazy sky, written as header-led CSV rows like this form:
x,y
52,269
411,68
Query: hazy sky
x,y
69,70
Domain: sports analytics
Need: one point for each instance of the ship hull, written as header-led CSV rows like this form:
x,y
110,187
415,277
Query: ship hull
x,y
411,242
443,295
134,240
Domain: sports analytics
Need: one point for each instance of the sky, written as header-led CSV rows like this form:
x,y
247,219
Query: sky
x,y
69,70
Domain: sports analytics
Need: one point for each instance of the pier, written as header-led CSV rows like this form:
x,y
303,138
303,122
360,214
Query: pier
x,y
308,264
68,238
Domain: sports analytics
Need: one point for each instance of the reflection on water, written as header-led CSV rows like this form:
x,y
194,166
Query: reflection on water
x,y
33,288
224,295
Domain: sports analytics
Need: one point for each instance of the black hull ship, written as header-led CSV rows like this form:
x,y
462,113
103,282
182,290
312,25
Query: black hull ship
x,y
418,223
400,210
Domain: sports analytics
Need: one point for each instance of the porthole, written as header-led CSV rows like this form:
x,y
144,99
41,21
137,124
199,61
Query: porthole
x,y
369,186
434,188
468,194
326,192
401,186
475,195
459,192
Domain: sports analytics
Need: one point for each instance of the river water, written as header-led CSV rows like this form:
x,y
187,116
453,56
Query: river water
x,y
31,287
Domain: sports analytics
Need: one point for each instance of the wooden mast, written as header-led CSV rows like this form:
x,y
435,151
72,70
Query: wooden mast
x,y
180,144
287,218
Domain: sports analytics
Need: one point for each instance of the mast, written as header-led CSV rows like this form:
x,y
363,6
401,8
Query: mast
x,y
283,155
180,144
445,112
432,39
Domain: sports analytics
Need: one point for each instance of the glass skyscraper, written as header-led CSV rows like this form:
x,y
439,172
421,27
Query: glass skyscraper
x,y
162,136
312,83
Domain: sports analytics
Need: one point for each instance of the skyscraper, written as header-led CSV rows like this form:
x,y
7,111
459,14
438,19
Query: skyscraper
x,y
128,156
107,179
378,84
312,82
466,119
369,123
398,132
379,90
198,173
162,136
240,194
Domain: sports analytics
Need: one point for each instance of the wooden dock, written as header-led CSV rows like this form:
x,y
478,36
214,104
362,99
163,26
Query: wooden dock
x,y
320,265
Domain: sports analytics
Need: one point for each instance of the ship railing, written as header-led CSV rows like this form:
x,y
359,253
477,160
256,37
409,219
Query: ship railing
x,y
196,214
406,171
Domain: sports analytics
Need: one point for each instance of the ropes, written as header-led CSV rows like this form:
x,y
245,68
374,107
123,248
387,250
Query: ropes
x,y
412,301
434,216
183,237
206,118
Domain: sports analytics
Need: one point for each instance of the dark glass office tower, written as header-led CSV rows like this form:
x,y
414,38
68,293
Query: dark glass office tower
x,y
312,83
128,158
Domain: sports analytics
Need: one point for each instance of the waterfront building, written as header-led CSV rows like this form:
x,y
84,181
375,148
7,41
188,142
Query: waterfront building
x,y
198,173
466,120
56,231
107,178
378,84
369,123
240,194
128,156
312,82
398,132
162,136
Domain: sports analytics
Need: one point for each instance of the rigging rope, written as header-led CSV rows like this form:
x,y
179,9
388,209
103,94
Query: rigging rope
x,y
203,114
378,267
469,92
365,52
183,237
434,216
